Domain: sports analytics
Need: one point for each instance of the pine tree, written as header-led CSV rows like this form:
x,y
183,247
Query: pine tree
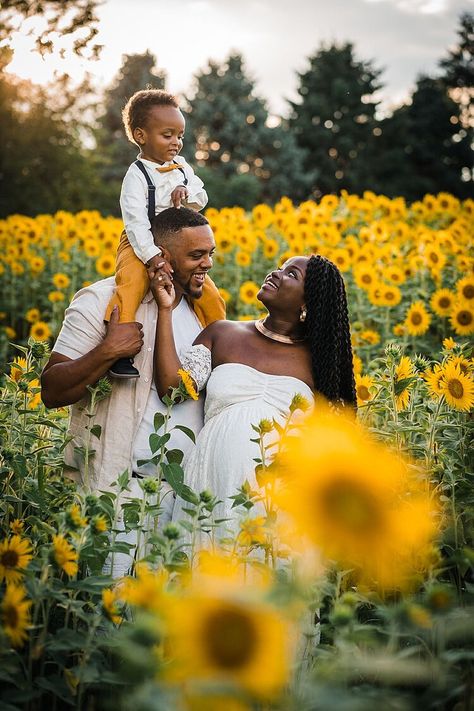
x,y
458,70
335,119
240,156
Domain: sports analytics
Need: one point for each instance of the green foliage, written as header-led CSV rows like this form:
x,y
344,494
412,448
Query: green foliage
x,y
233,139
335,118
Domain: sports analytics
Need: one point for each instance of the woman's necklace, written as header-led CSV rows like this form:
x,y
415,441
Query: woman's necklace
x,y
274,336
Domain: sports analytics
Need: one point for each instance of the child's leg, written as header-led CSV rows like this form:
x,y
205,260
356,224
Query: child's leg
x,y
211,306
132,282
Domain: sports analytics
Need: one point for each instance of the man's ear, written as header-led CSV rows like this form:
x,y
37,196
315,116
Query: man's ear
x,y
164,252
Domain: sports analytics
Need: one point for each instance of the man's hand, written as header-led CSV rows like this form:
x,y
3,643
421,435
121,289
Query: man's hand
x,y
179,196
123,340
162,289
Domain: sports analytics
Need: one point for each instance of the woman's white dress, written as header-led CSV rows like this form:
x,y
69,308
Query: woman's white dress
x,y
238,396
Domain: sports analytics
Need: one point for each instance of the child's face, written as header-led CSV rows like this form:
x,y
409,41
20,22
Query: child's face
x,y
162,136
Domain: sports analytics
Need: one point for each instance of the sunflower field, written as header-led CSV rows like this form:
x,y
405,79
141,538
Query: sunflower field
x,y
349,583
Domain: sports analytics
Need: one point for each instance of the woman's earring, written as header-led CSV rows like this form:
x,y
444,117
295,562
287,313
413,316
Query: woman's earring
x,y
303,314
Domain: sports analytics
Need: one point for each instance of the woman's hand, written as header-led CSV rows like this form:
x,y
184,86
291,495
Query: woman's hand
x,y
162,288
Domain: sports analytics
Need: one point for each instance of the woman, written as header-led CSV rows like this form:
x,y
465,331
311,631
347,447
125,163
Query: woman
x,y
253,369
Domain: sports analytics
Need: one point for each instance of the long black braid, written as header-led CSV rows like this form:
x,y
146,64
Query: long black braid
x,y
328,332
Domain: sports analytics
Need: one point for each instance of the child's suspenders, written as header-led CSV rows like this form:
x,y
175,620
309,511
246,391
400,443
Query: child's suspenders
x,y
151,188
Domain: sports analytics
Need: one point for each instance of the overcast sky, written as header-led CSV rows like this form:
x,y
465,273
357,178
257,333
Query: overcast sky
x,y
402,37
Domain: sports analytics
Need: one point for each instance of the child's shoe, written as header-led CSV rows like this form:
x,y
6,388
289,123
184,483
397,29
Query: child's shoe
x,y
123,368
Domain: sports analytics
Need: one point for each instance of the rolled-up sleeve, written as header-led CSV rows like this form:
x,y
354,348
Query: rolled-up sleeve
x,y
83,326
197,196
133,203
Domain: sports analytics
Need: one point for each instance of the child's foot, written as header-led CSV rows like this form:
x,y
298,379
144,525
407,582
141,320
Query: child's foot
x,y
123,368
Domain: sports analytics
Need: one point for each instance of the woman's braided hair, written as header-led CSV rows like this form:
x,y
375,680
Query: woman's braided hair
x,y
328,332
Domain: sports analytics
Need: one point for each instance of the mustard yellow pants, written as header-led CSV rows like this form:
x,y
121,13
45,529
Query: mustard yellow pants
x,y
132,283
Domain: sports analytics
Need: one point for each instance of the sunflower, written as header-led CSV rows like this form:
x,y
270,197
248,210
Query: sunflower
x,y
252,531
15,614
188,384
433,380
399,329
356,364
394,274
435,258
458,388
341,259
75,518
462,318
56,296
363,384
61,281
105,265
65,556
364,276
32,315
17,526
226,295
449,343
442,302
109,605
370,336
465,288
336,496
417,319
18,368
222,637
262,215
403,374
270,248
147,590
10,332
248,292
242,259
390,295
15,554
40,331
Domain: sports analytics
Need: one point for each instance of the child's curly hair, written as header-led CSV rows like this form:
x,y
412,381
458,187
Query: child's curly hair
x,y
135,111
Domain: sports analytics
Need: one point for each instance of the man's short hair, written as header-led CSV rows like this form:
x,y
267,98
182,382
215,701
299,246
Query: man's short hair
x,y
136,110
168,223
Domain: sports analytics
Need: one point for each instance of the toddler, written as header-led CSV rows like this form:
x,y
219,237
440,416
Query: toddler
x,y
158,179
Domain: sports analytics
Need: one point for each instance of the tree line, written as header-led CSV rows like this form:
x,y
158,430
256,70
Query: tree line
x,y
62,148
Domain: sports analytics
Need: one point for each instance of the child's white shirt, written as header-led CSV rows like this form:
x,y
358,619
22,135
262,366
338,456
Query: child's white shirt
x,y
134,200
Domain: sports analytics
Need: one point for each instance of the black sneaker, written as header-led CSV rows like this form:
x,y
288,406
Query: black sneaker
x,y
123,368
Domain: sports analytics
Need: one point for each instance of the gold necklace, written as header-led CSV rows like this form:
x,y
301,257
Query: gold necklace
x,y
275,336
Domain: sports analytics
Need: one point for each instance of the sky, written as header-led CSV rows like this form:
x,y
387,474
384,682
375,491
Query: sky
x,y
404,38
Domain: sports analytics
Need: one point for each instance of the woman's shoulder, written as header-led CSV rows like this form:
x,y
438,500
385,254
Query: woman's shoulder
x,y
222,329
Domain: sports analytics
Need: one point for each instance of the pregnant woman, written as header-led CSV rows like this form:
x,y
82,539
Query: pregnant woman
x,y
252,370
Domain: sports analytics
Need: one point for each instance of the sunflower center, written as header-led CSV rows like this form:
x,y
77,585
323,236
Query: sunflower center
x,y
10,559
363,392
456,389
351,506
230,638
10,616
468,291
434,257
366,279
464,318
445,302
416,318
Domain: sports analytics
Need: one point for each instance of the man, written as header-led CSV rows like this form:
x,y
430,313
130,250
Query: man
x,y
86,348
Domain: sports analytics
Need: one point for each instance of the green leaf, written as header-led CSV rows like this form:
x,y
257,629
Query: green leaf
x,y
158,421
174,475
174,456
187,431
157,441
96,430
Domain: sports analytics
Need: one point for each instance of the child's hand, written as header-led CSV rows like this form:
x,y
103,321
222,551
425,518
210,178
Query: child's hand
x,y
163,290
179,196
156,263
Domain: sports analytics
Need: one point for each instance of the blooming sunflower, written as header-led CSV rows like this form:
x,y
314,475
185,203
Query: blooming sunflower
x,y
56,296
75,517
465,288
248,292
17,526
390,295
105,265
363,384
462,318
17,369
336,496
458,388
242,259
61,281
442,301
223,637
365,275
109,605
188,384
252,531
449,343
370,336
418,319
32,315
15,614
40,331
65,556
433,380
270,248
15,554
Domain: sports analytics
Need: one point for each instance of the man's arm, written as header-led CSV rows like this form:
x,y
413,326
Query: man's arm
x,y
64,380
